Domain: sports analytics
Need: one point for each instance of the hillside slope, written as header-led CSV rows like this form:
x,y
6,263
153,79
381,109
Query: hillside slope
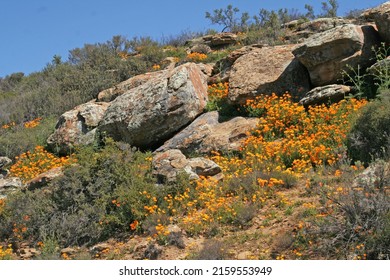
x,y
219,151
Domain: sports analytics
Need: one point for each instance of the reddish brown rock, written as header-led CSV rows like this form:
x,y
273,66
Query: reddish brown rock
x,y
267,70
327,54
222,68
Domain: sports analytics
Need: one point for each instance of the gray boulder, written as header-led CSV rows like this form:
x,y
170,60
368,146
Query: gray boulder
x,y
4,161
376,175
214,40
44,178
154,111
380,68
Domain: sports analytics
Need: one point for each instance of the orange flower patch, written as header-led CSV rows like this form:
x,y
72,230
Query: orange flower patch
x,y
31,164
196,57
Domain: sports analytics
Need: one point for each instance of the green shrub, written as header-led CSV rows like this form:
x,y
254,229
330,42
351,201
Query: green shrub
x,y
376,80
19,139
94,200
370,135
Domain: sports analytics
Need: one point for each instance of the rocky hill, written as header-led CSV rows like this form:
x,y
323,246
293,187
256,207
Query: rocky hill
x,y
248,157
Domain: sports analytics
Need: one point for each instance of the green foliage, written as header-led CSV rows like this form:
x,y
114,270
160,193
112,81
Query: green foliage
x,y
94,200
10,81
264,27
370,135
381,70
18,139
376,80
267,25
50,250
357,80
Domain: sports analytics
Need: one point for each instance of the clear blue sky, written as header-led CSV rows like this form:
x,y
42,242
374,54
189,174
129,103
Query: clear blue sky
x,y
33,31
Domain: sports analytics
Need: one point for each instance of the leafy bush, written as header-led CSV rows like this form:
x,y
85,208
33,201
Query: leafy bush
x,y
92,201
17,139
381,71
370,135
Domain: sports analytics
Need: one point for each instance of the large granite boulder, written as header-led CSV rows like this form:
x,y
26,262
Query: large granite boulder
x,y
153,112
327,54
267,70
77,126
222,67
207,134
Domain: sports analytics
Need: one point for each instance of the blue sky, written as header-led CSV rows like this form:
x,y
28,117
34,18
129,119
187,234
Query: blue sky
x,y
33,31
